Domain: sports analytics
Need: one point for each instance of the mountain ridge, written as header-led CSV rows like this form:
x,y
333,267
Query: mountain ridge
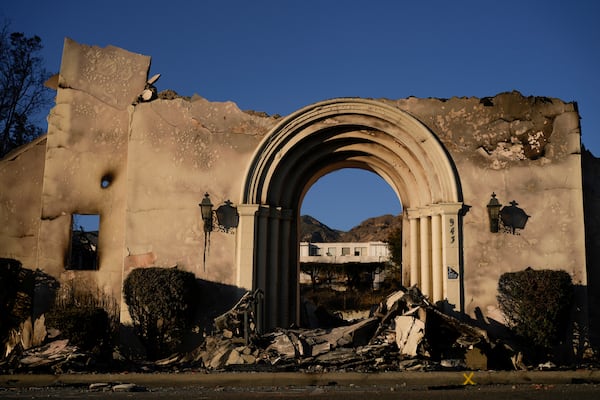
x,y
370,230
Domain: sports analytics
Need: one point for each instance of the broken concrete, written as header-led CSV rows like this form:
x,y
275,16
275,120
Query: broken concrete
x,y
404,333
385,341
409,333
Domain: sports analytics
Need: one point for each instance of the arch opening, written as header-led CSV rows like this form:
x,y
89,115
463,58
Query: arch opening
x,y
336,134
347,218
344,198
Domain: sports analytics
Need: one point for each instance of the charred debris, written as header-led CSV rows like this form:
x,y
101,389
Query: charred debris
x,y
405,332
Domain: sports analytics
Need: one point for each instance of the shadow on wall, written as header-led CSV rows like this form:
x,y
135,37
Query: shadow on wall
x,y
214,299
591,208
570,349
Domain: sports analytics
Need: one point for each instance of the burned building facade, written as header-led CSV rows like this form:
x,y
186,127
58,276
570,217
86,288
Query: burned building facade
x,y
487,185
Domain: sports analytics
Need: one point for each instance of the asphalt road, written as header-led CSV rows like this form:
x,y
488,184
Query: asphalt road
x,y
488,385
488,392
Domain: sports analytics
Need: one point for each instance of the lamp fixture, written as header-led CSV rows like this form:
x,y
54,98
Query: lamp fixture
x,y
493,208
510,218
225,218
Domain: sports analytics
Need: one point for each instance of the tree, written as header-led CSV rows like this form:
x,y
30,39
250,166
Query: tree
x,y
22,91
394,242
313,270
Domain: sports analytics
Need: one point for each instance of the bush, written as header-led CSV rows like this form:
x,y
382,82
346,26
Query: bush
x,y
162,305
16,295
86,327
536,305
84,315
18,287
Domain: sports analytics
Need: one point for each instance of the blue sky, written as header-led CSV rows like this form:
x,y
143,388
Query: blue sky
x,y
278,56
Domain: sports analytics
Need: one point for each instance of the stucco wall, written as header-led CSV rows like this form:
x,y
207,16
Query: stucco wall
x,y
21,176
160,157
178,150
525,149
87,143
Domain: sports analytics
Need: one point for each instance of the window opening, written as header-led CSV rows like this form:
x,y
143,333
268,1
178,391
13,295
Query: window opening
x,y
314,250
360,251
83,254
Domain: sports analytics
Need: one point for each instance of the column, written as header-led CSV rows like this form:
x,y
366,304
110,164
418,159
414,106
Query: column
x,y
437,268
245,245
414,247
425,255
272,296
453,281
261,249
285,270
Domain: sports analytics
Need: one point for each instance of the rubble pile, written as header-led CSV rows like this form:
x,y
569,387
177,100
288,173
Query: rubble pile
x,y
405,332
56,356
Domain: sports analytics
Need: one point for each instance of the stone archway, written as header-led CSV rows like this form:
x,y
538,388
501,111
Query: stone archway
x,y
344,133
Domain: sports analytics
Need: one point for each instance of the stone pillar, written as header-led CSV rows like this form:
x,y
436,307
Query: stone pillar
x,y
272,295
424,227
453,282
287,271
414,247
245,245
261,249
436,259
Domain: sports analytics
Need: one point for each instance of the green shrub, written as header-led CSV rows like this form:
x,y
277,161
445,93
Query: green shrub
x,y
162,304
536,305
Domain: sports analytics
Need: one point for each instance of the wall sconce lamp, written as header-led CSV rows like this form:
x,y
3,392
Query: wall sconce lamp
x,y
493,208
511,218
206,209
227,218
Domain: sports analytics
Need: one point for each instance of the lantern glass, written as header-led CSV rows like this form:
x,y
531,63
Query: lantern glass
x,y
494,213
206,207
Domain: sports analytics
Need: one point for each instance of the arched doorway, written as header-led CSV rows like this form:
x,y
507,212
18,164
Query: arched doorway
x,y
347,133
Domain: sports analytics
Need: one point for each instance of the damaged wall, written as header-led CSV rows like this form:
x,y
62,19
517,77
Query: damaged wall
x,y
21,177
158,158
525,149
178,150
86,157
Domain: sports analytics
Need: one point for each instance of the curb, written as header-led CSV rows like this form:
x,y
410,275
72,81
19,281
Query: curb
x,y
264,379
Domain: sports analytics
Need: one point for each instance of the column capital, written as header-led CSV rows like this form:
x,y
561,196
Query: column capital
x,y
448,208
247,209
433,209
419,212
412,213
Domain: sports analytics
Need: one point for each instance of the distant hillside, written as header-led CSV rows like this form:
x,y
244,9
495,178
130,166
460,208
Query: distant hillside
x,y
372,229
314,231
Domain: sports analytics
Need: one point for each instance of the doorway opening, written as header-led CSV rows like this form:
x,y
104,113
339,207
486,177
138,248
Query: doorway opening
x,y
350,246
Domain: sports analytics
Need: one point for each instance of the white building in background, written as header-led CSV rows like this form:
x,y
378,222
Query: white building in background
x,y
344,252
